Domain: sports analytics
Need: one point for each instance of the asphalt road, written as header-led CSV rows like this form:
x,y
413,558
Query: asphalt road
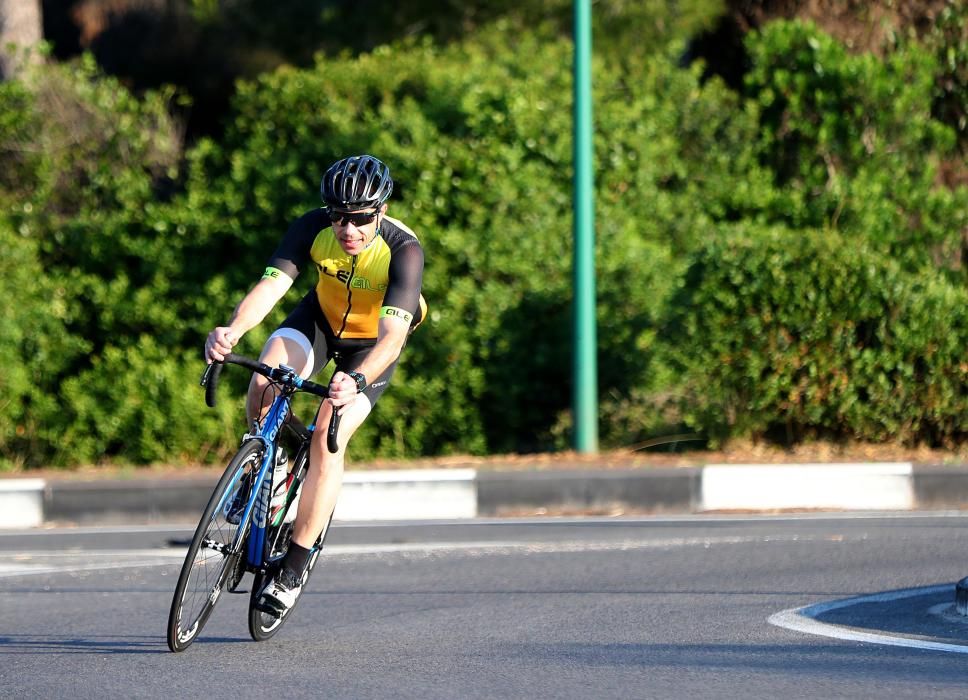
x,y
586,608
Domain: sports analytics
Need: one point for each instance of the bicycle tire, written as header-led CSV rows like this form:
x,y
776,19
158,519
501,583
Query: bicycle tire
x,y
264,625
203,576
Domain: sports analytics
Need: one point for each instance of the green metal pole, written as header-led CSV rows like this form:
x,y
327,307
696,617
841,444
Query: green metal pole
x,y
585,341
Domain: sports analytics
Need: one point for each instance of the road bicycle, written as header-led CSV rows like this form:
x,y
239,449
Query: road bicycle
x,y
247,524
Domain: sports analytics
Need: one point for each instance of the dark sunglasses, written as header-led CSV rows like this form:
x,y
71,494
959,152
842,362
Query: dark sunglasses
x,y
356,218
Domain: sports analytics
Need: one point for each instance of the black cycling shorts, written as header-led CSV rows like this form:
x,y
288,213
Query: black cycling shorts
x,y
307,326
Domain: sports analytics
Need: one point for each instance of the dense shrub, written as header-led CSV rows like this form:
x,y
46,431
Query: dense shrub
x,y
480,146
853,144
795,230
138,402
90,261
35,347
204,46
796,334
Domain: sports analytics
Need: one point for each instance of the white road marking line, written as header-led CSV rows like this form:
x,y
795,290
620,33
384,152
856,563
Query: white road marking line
x,y
97,530
37,563
803,620
38,571
534,520
567,546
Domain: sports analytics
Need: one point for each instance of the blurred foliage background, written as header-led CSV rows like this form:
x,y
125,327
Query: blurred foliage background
x,y
782,216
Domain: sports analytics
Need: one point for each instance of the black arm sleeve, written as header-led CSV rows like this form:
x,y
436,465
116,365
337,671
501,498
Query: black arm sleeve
x,y
406,277
293,252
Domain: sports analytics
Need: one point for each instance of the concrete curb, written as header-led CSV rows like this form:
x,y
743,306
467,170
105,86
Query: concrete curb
x,y
467,493
873,486
21,503
504,493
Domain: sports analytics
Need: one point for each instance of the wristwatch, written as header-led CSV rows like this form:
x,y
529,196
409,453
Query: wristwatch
x,y
359,379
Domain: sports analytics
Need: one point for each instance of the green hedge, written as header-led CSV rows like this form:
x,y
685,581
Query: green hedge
x,y
123,255
806,334
853,145
480,145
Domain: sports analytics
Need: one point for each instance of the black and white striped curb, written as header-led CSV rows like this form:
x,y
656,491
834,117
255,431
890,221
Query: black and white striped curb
x,y
468,493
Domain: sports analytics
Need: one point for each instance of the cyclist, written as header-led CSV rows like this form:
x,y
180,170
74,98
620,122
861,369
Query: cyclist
x,y
360,313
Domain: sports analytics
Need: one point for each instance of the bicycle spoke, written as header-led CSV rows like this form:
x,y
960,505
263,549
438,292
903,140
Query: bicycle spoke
x,y
212,563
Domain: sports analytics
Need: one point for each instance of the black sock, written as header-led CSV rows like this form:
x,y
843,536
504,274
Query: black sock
x,y
296,559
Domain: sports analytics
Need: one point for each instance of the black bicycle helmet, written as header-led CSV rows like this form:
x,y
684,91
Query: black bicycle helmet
x,y
357,182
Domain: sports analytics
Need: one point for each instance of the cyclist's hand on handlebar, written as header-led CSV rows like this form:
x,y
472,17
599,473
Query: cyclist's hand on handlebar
x,y
342,389
220,343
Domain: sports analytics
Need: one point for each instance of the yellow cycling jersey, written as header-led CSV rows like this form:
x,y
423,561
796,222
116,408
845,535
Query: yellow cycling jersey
x,y
355,291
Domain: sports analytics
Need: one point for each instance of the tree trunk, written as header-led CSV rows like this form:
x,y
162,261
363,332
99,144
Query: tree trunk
x,y
20,25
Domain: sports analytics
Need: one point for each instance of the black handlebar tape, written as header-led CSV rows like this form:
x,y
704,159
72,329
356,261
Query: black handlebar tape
x,y
212,372
210,382
314,388
244,361
331,444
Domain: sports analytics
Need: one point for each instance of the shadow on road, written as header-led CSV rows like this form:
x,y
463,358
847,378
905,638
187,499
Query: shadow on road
x,y
16,644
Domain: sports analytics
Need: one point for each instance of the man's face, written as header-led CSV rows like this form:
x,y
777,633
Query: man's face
x,y
355,229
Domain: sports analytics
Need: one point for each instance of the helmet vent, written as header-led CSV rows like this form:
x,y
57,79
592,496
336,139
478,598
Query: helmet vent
x,y
357,182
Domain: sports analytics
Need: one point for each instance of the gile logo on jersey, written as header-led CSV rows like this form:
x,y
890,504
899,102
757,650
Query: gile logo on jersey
x,y
344,277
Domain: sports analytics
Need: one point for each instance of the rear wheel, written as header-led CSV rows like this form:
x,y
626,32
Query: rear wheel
x,y
263,624
213,563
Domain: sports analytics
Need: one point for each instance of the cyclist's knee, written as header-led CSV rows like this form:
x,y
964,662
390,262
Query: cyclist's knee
x,y
259,397
278,350
289,347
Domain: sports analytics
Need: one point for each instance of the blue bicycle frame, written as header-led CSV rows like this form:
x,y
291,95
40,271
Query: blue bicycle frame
x,y
257,508
258,505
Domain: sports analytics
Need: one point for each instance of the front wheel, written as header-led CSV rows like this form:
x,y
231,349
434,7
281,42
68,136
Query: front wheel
x,y
262,623
216,555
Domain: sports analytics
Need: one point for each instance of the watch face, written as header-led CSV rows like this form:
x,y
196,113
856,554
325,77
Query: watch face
x,y
360,381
